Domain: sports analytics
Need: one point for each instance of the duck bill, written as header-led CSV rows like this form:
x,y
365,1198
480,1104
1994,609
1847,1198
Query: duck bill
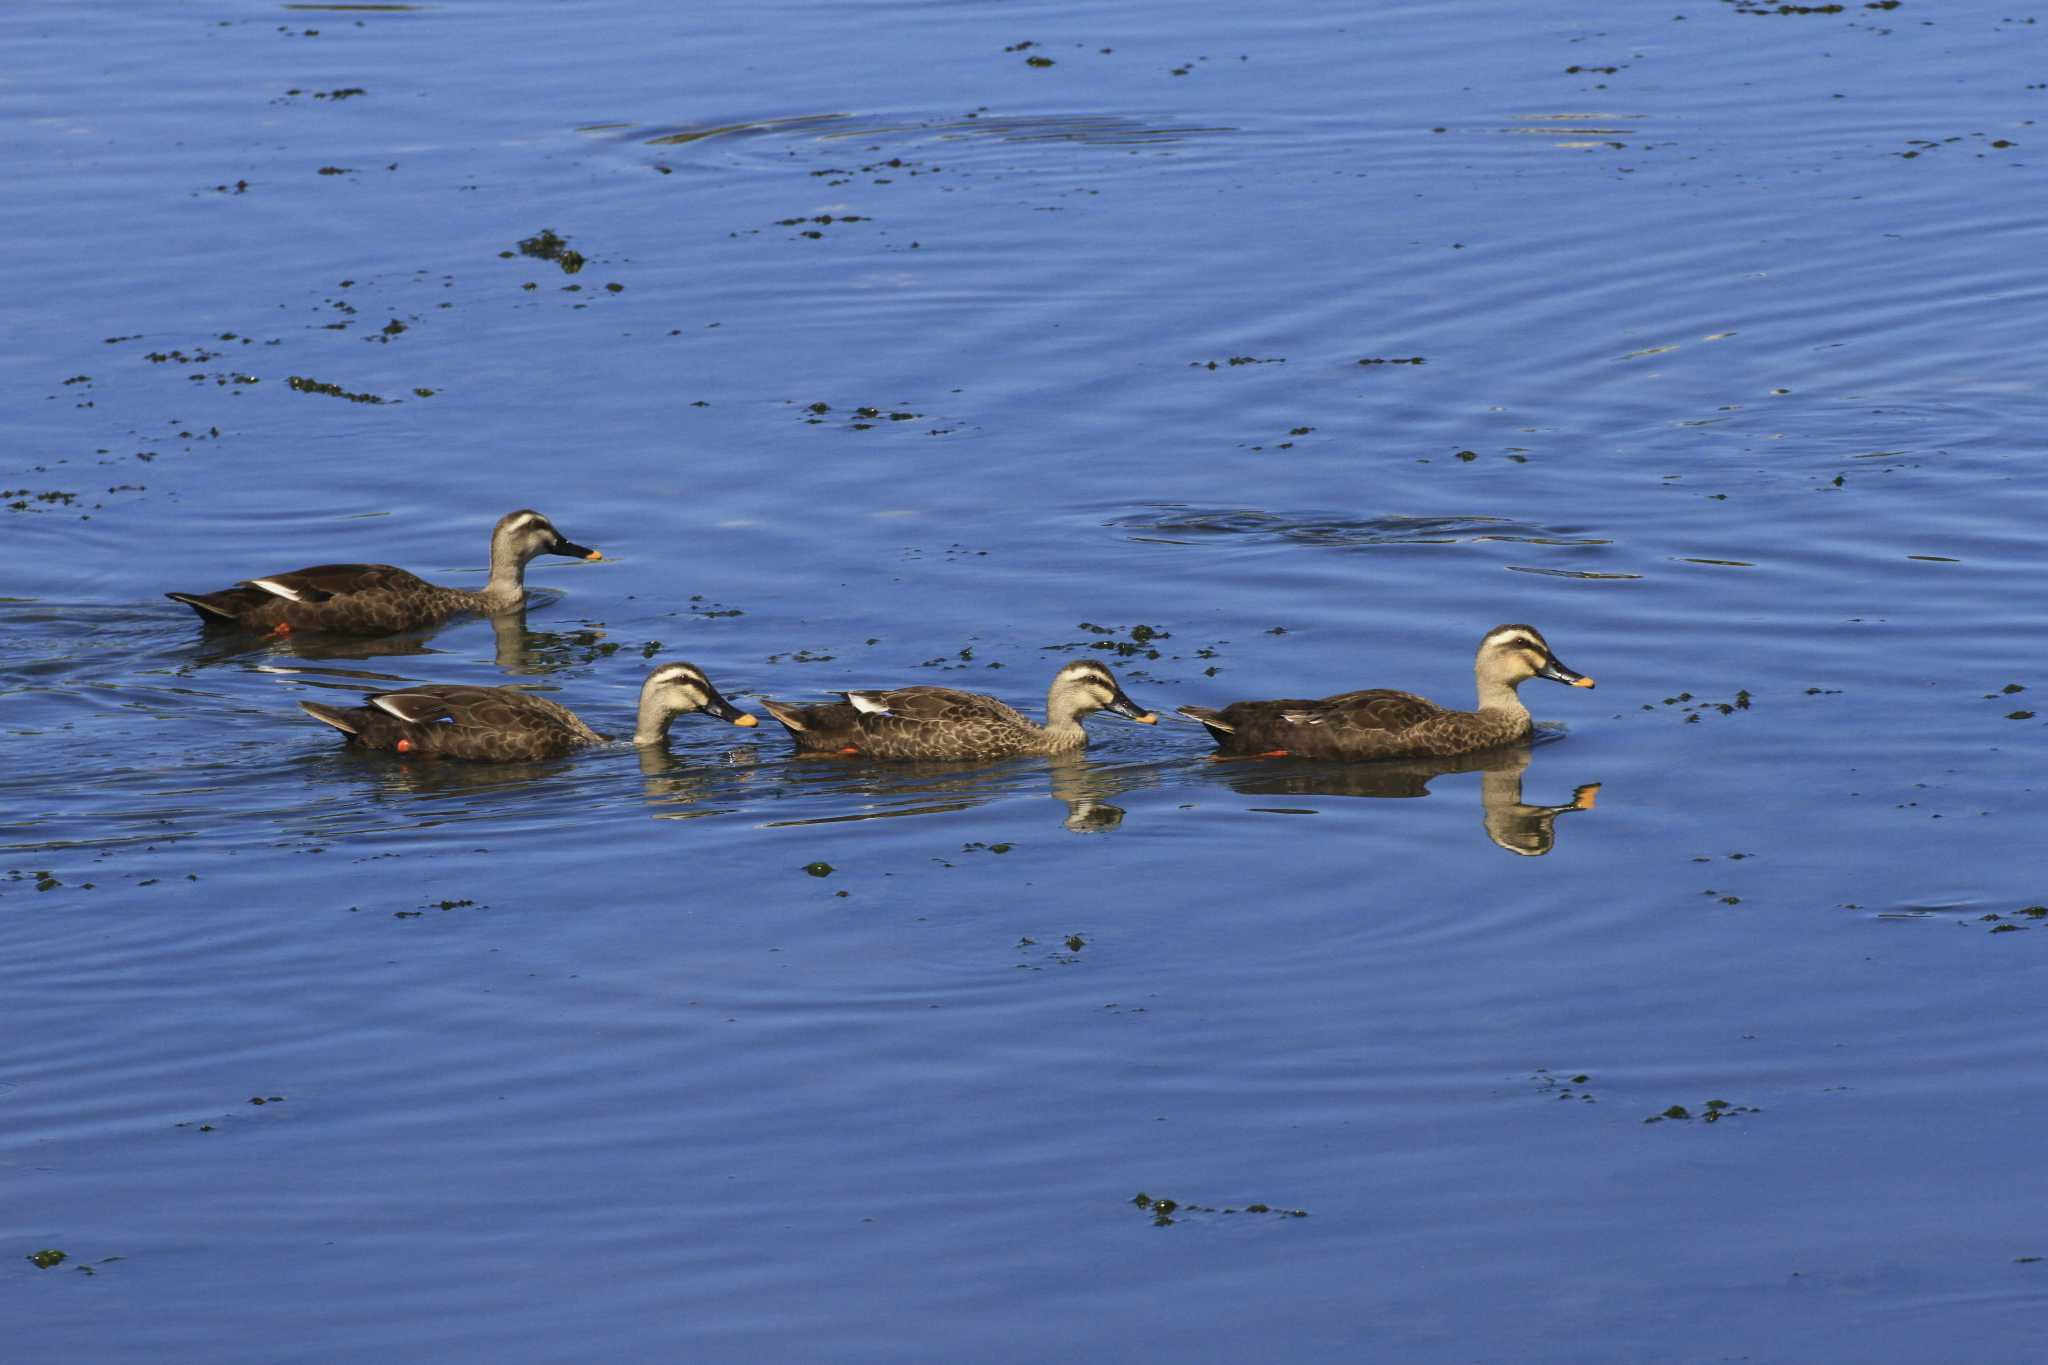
x,y
1557,672
1130,710
724,710
571,550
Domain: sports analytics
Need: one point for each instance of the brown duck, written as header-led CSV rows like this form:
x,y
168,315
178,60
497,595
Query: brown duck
x,y
509,724
1383,724
940,723
377,599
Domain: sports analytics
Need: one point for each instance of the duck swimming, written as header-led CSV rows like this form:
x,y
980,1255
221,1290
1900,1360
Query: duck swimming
x,y
510,724
1384,724
940,723
377,599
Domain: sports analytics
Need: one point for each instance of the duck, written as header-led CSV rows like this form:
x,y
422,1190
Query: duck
x,y
1377,723
377,599
510,724
940,723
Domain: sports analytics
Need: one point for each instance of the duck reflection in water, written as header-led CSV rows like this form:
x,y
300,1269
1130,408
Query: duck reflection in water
x,y
1084,788
1525,830
686,786
225,647
515,649
843,793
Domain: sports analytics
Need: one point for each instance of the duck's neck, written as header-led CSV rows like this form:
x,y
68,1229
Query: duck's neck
x,y
507,588
652,727
1063,722
1495,695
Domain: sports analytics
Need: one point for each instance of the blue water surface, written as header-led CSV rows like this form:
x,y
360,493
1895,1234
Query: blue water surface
x,y
1252,352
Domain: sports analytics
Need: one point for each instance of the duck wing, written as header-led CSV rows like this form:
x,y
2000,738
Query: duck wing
x,y
325,581
484,708
1370,709
259,603
1363,724
931,705
905,723
497,724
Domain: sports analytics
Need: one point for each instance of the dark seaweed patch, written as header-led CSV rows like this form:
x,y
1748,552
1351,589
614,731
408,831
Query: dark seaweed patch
x,y
1140,645
1564,1087
1713,1111
864,416
548,245
301,384
1163,1211
1758,7
1693,707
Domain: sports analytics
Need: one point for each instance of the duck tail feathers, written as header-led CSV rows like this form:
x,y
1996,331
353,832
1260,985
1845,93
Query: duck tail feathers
x,y
211,611
331,715
790,714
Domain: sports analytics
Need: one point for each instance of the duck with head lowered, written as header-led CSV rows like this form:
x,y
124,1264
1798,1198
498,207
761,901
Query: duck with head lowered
x,y
510,724
941,723
377,599
1384,724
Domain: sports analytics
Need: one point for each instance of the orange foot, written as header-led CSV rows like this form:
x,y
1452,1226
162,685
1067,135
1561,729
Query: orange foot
x,y
282,628
403,746
849,749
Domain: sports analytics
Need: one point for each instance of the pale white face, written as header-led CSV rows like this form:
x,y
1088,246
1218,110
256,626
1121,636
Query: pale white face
x,y
526,533
677,689
1516,652
1084,686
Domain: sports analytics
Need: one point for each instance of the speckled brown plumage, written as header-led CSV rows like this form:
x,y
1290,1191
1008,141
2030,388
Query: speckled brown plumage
x,y
377,599
509,724
494,724
930,723
1380,724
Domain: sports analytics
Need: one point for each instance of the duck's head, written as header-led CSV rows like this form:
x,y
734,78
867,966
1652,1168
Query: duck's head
x,y
1084,686
1511,655
521,535
678,689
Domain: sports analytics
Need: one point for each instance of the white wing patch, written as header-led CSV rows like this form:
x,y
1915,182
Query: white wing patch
x,y
867,703
276,589
396,706
1302,717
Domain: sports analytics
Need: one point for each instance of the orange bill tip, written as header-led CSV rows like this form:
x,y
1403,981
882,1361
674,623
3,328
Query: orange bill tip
x,y
1582,799
1149,718
743,720
1582,682
595,554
